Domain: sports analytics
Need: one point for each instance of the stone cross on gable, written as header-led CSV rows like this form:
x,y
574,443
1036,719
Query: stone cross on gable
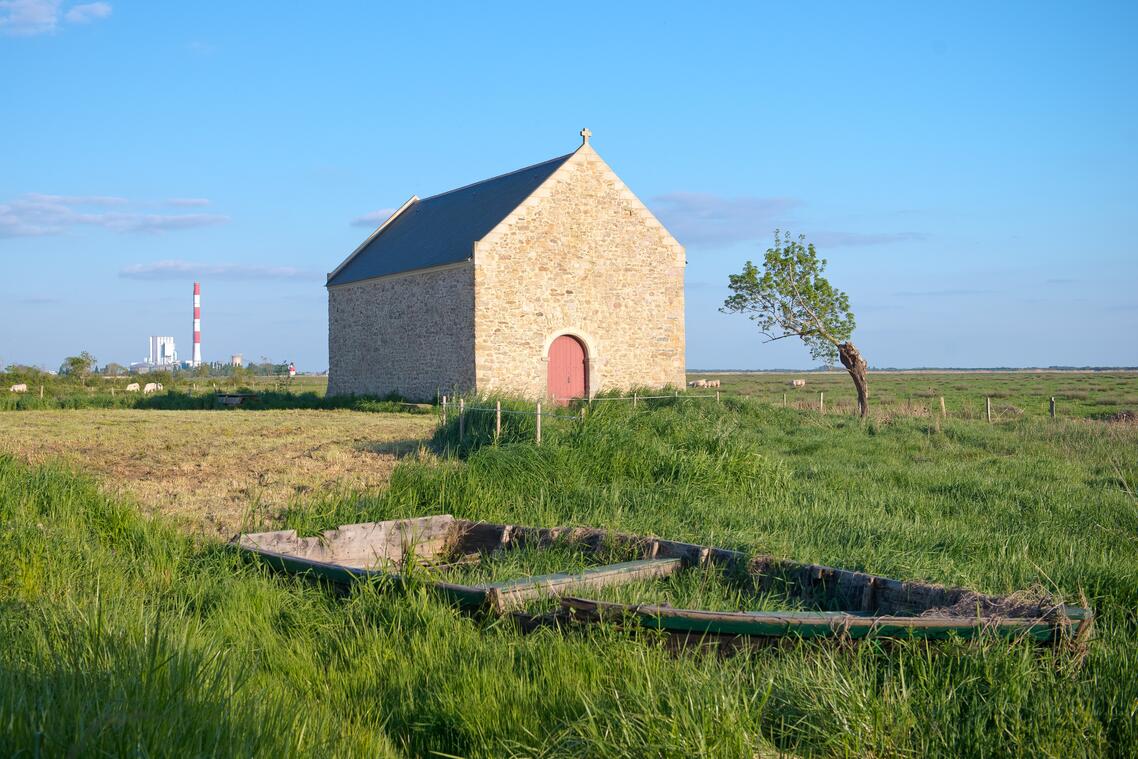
x,y
585,135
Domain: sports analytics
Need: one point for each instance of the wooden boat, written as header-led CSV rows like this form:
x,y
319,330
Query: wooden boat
x,y
850,604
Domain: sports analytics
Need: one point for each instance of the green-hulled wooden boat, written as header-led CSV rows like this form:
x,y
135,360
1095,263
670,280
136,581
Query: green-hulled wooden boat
x,y
850,604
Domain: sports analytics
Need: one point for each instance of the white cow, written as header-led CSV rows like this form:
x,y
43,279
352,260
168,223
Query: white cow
x,y
698,383
152,387
20,388
132,387
798,383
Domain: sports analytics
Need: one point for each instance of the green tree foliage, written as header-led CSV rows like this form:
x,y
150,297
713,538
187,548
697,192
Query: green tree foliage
x,y
78,366
791,297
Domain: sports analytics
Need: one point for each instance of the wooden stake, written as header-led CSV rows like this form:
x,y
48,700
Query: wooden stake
x,y
717,396
1053,407
461,418
634,400
41,391
943,413
784,400
444,410
537,425
497,420
988,409
822,403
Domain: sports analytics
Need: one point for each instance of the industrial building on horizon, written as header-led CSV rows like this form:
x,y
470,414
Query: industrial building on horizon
x,y
162,351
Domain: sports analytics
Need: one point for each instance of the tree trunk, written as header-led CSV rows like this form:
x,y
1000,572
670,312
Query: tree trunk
x,y
855,365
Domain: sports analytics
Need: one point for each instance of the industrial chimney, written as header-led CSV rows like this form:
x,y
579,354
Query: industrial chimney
x,y
197,357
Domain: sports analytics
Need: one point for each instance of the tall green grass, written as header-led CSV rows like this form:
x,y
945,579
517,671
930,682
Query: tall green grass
x,y
120,636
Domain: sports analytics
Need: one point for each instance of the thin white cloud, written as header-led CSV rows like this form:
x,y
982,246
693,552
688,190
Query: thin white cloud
x,y
77,200
157,222
945,293
38,214
197,47
27,18
187,202
177,269
373,218
852,239
705,219
85,13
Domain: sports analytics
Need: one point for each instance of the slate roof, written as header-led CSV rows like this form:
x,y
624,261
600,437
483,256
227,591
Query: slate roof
x,y
442,229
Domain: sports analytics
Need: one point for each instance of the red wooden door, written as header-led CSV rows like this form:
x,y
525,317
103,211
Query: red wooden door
x,y
566,369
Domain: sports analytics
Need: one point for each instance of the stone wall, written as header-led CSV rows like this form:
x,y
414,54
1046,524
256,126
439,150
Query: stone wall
x,y
411,334
582,257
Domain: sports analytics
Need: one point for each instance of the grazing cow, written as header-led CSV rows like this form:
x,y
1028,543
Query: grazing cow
x,y
152,387
798,383
698,383
20,388
713,383
132,387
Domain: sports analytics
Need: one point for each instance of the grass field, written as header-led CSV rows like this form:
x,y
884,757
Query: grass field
x,y
213,471
1095,395
121,634
1013,394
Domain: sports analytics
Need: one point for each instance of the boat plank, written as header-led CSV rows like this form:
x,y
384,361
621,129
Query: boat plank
x,y
812,623
511,594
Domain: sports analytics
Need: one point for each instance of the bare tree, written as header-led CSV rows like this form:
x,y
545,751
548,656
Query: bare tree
x,y
789,297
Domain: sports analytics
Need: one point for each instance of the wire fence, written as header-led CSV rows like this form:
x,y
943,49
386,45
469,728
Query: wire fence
x,y
446,405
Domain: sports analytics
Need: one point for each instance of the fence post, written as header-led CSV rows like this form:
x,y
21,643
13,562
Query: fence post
x,y
821,403
497,420
461,418
988,408
582,414
634,400
784,400
1052,400
1053,407
717,396
41,391
444,411
943,413
537,425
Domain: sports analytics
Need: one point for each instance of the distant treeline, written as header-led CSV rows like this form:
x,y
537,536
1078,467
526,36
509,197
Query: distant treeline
x,y
77,368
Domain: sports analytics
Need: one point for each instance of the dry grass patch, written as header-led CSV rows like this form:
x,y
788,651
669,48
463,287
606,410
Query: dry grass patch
x,y
219,470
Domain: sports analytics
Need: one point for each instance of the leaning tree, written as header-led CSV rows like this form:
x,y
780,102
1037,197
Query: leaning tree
x,y
789,297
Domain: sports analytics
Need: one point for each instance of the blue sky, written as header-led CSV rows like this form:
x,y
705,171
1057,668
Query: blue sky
x,y
969,171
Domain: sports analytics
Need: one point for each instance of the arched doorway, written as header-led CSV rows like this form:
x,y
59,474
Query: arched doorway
x,y
567,375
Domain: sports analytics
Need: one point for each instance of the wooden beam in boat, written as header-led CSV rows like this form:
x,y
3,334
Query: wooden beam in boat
x,y
511,594
808,624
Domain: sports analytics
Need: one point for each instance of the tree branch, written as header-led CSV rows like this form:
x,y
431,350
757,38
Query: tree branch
x,y
821,327
770,338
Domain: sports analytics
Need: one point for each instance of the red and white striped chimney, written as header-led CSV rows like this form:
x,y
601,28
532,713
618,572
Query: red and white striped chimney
x,y
197,359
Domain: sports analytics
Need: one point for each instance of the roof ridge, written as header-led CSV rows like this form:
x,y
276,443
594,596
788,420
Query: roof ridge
x,y
499,176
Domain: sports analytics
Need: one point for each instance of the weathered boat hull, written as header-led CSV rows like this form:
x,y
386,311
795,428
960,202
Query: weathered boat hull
x,y
854,604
